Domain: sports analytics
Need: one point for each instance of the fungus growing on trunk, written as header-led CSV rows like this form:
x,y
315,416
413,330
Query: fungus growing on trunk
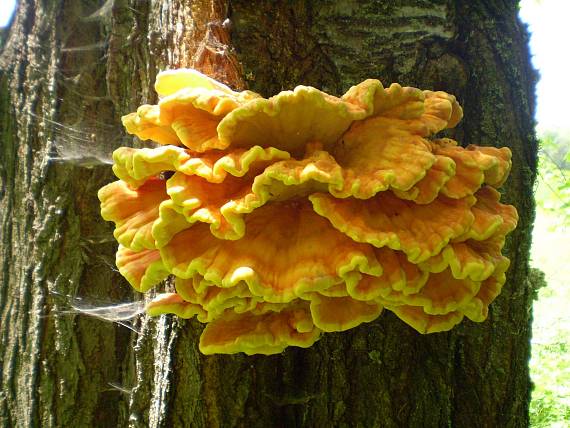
x,y
304,213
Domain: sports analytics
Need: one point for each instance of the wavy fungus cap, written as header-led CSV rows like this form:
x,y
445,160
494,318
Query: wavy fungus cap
x,y
305,213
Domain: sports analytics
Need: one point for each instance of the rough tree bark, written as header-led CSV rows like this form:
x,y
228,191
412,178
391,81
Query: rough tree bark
x,y
70,68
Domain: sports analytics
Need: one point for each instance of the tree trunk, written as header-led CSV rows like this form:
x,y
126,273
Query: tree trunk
x,y
70,69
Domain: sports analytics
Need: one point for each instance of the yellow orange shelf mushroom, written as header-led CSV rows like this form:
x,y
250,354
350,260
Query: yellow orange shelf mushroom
x,y
304,213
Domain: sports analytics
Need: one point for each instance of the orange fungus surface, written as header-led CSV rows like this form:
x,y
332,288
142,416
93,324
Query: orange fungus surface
x,y
286,217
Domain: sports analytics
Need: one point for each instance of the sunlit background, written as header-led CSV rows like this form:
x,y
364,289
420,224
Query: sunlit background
x,y
549,23
6,11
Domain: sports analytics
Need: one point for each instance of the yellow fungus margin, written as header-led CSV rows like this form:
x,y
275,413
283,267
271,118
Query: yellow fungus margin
x,y
285,218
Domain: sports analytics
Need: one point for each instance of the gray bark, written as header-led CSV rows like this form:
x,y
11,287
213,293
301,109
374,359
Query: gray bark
x,y
68,70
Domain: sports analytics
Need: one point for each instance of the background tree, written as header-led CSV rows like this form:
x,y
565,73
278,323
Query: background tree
x,y
69,69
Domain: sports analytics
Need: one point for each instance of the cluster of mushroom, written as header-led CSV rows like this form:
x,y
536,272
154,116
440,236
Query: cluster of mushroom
x,y
304,213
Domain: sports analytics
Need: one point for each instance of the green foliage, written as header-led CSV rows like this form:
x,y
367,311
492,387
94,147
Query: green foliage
x,y
550,363
550,405
553,192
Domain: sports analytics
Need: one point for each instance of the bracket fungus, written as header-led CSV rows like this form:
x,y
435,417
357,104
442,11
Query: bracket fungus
x,y
304,213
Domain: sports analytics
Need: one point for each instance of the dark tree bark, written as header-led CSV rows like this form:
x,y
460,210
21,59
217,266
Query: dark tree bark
x,y
69,69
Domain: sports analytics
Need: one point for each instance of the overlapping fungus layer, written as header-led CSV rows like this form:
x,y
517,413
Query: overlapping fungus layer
x,y
304,213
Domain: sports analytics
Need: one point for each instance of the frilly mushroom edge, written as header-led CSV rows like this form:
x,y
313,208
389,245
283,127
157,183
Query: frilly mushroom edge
x,y
304,213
